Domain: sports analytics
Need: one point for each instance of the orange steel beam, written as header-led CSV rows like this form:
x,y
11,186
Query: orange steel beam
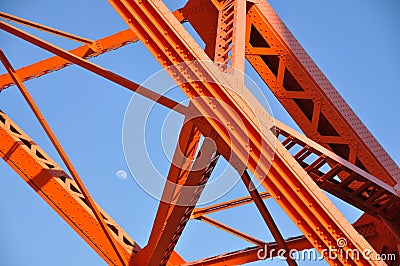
x,y
345,180
87,51
383,242
369,227
266,215
251,254
354,186
308,96
385,200
230,37
157,28
239,37
226,205
44,28
62,193
107,74
55,63
46,127
372,230
380,236
287,182
253,169
208,12
377,234
378,198
179,170
231,230
185,182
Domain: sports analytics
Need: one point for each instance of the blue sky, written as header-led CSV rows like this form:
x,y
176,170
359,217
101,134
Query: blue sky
x,y
355,43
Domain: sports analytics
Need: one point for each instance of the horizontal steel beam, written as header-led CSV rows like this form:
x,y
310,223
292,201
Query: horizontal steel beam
x,y
365,226
252,254
197,212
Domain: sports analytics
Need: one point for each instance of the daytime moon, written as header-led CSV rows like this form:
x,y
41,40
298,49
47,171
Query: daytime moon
x,y
121,174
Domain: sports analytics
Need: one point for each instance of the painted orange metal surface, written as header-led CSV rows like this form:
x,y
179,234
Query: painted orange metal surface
x,y
369,227
309,97
55,63
230,37
181,192
46,127
359,170
45,28
251,254
357,187
87,51
303,90
161,33
382,238
197,212
60,192
266,215
105,73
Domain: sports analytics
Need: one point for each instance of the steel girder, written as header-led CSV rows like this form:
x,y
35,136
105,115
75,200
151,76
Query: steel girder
x,y
226,205
55,63
87,51
62,193
357,187
371,228
251,254
66,55
303,90
309,97
299,99
287,182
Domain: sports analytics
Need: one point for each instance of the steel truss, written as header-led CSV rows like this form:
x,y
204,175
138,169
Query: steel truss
x,y
337,155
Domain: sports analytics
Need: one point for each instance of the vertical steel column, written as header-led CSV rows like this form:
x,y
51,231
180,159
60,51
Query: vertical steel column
x,y
239,35
230,38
